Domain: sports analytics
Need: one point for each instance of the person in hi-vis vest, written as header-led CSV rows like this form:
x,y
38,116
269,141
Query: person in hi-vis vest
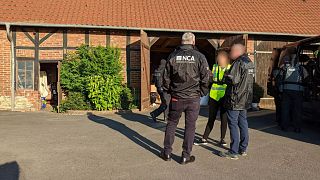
x,y
216,99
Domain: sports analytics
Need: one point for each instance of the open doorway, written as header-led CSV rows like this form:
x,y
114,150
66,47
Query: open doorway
x,y
48,85
165,46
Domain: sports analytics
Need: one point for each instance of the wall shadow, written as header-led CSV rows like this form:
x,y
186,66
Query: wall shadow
x,y
130,134
10,171
265,121
161,126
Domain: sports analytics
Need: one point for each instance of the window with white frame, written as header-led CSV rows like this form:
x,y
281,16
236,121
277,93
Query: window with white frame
x,y
25,74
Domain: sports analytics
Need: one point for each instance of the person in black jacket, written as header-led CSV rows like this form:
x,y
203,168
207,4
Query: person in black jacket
x,y
186,78
274,81
164,96
238,99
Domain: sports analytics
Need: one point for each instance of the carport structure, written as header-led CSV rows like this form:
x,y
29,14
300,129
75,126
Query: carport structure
x,y
160,44
40,37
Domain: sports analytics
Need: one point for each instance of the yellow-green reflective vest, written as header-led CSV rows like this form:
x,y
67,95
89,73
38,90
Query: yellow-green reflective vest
x,y
217,91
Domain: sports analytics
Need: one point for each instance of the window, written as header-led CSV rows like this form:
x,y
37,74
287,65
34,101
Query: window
x,y
25,77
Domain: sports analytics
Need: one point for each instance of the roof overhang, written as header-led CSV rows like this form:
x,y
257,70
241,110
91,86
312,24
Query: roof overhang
x,y
310,40
26,24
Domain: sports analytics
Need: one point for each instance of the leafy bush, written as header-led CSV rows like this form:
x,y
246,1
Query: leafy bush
x,y
127,99
96,72
75,101
86,62
104,93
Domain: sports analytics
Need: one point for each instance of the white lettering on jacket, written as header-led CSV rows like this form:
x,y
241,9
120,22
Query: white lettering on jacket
x,y
183,59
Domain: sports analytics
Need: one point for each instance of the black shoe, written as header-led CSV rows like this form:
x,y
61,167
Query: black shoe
x,y
297,130
223,143
164,156
200,142
154,118
185,160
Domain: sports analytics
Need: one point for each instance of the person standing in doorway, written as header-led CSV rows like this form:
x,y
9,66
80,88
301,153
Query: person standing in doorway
x,y
216,99
293,87
274,81
164,96
238,99
186,77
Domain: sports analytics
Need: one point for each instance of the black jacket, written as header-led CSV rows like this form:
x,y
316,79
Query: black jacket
x,y
187,73
239,79
158,75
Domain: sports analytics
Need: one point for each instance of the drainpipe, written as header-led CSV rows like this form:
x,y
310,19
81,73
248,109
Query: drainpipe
x,y
9,36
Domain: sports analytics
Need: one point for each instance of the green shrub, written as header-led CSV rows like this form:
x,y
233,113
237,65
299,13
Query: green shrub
x,y
104,94
127,99
70,75
96,72
75,101
86,62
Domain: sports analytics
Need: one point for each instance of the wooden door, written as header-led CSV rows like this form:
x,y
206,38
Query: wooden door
x,y
145,71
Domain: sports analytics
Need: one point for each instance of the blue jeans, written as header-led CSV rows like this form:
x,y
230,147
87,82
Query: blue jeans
x,y
237,119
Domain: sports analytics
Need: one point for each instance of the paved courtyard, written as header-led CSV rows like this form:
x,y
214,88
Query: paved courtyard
x,y
41,146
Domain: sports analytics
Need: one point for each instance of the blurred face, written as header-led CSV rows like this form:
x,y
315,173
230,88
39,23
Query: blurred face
x,y
236,51
223,60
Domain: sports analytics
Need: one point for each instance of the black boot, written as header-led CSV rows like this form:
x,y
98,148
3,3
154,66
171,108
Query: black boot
x,y
164,156
185,160
154,118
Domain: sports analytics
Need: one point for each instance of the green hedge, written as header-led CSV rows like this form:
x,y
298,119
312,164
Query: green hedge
x,y
93,77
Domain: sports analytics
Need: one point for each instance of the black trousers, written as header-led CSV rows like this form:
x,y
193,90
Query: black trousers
x,y
191,109
165,101
291,108
214,107
277,101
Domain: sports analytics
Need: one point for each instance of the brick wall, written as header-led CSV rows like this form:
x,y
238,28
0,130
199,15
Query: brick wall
x,y
5,92
30,99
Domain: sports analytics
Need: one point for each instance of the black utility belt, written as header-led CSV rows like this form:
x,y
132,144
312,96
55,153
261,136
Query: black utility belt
x,y
296,83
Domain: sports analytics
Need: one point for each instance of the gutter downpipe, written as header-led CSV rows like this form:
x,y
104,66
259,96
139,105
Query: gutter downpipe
x,y
9,36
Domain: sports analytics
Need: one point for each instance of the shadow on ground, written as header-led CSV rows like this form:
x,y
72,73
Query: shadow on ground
x,y
161,125
138,138
262,121
9,171
265,121
130,134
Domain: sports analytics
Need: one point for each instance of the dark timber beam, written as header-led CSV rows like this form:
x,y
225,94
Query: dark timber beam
x,y
36,62
47,36
28,36
153,40
166,43
214,43
107,37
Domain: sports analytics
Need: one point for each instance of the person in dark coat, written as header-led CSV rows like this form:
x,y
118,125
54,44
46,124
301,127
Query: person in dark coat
x,y
238,99
292,86
164,96
274,82
186,78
